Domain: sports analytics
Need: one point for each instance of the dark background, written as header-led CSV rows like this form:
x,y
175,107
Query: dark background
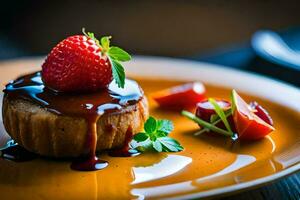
x,y
207,30
168,28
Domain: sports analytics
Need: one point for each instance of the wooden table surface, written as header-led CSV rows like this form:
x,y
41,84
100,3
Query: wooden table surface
x,y
285,188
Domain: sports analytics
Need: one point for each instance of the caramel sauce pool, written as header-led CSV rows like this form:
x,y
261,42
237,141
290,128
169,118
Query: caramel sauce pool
x,y
207,162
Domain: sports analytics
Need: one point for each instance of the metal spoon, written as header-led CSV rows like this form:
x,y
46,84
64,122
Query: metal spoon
x,y
270,46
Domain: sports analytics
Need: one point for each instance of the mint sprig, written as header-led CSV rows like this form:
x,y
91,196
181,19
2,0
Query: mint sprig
x,y
115,56
155,137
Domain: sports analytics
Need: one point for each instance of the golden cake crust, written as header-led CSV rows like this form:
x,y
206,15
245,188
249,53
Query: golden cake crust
x,y
49,134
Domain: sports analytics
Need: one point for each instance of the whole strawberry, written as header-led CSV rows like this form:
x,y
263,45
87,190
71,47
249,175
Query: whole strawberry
x,y
82,63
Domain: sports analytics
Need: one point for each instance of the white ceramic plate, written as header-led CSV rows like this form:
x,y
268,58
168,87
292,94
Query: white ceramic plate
x,y
178,69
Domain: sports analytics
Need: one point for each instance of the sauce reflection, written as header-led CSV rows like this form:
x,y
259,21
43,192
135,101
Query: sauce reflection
x,y
168,166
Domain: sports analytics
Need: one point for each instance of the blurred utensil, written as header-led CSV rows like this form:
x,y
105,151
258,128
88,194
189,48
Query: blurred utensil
x,y
271,47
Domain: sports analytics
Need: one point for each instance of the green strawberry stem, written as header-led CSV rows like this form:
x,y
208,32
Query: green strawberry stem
x,y
114,54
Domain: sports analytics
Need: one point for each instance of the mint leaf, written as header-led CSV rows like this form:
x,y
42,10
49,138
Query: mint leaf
x,y
155,137
105,42
144,146
221,114
150,125
118,54
118,73
170,145
161,134
165,126
157,146
140,137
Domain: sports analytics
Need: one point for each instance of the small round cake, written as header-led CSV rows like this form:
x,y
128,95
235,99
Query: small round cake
x,y
70,125
79,104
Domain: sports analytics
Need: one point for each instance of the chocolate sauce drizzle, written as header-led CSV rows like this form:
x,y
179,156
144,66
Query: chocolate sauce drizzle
x,y
125,150
90,106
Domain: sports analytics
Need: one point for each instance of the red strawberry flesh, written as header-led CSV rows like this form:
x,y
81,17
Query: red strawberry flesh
x,y
76,64
205,109
180,97
261,112
249,125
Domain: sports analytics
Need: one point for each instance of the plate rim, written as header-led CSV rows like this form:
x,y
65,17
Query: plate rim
x,y
222,191
240,187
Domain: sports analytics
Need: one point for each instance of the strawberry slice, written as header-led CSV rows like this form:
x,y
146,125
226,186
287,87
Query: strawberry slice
x,y
205,110
249,125
261,112
180,97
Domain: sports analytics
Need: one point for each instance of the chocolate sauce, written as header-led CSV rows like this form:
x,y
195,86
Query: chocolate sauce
x,y
90,163
89,106
125,150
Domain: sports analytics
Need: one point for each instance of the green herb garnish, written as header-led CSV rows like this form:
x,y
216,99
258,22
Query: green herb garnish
x,y
205,124
215,119
233,103
221,114
115,56
155,137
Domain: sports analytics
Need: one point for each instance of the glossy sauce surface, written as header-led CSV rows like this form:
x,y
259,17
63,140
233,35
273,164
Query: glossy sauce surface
x,y
89,106
207,162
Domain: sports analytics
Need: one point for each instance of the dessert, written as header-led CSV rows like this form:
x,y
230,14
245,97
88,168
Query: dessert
x,y
58,125
79,104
